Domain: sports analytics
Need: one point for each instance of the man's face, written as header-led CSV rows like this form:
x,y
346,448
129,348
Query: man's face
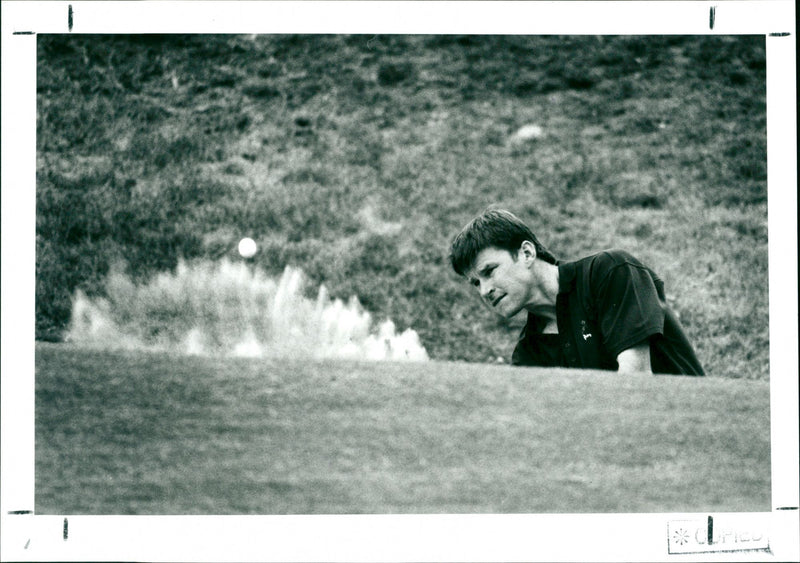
x,y
503,280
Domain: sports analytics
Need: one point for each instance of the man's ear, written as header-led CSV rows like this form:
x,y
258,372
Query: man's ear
x,y
527,251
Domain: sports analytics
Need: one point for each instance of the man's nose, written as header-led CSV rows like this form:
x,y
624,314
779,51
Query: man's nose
x,y
486,290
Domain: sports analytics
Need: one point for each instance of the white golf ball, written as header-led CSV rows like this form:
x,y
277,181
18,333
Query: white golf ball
x,y
247,247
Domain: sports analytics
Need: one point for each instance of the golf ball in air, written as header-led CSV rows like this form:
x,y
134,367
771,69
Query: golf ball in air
x,y
247,247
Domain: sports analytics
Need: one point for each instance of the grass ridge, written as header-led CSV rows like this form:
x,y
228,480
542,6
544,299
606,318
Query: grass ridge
x,y
157,433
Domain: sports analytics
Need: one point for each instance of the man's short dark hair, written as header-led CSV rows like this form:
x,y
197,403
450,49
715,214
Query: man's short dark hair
x,y
493,228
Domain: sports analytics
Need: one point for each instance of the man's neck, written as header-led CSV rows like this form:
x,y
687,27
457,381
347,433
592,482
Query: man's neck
x,y
545,290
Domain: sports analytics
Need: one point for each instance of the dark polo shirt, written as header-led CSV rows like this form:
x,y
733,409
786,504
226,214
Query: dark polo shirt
x,y
606,304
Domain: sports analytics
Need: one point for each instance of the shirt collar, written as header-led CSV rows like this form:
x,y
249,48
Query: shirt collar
x,y
567,272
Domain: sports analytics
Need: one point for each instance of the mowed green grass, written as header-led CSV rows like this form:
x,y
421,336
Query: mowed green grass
x,y
145,433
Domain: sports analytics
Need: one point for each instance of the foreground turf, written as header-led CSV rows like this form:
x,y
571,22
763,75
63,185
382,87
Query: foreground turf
x,y
134,433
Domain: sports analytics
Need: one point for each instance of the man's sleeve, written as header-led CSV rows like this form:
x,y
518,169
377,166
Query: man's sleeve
x,y
629,309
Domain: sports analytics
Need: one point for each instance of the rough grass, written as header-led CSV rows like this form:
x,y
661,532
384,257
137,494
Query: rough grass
x,y
357,158
134,433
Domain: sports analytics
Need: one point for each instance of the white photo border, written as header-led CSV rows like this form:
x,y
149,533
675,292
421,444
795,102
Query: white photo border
x,y
553,537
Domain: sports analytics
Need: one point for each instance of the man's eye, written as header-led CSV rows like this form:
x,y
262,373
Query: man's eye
x,y
475,283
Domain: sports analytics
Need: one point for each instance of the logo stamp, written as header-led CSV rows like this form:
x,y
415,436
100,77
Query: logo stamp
x,y
714,535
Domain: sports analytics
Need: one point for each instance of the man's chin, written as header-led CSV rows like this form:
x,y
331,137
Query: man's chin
x,y
506,312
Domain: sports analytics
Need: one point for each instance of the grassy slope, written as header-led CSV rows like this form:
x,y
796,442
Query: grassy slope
x,y
148,434
358,158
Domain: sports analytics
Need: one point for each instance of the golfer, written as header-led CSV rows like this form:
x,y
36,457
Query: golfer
x,y
605,311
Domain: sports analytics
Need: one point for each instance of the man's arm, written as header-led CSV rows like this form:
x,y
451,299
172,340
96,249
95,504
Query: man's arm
x,y
636,359
629,308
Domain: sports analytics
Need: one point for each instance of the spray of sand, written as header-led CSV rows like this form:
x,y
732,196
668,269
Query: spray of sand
x,y
230,309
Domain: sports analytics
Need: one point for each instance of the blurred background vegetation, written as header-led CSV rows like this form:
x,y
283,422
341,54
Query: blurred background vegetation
x,y
358,158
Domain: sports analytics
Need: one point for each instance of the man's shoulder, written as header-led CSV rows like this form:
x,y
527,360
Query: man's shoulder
x,y
599,261
592,272
607,260
613,257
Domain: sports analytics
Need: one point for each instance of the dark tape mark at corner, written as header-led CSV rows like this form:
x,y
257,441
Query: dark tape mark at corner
x,y
69,17
710,538
66,529
712,13
781,34
20,511
24,33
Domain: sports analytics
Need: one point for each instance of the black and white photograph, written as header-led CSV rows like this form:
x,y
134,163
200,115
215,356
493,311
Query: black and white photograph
x,y
482,294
